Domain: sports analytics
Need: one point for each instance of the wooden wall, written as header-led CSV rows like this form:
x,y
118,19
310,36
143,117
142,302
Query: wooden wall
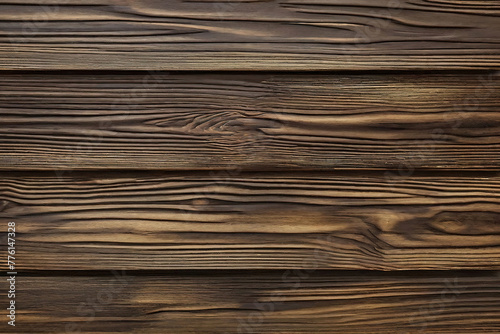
x,y
260,166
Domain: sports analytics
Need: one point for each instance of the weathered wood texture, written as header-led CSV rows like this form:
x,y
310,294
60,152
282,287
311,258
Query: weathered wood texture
x,y
320,199
260,222
251,122
280,302
249,35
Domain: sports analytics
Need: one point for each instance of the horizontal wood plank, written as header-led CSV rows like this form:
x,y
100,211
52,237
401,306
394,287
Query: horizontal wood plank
x,y
249,122
253,222
249,35
282,302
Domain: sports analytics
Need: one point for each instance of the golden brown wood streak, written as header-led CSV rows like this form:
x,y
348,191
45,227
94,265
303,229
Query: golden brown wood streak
x,y
249,35
251,122
255,222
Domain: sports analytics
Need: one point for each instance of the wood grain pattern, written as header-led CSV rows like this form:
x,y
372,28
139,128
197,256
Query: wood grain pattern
x,y
287,302
141,222
249,35
249,122
306,166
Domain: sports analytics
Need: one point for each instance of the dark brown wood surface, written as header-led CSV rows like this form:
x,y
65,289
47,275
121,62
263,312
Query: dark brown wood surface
x,y
256,302
140,222
249,35
250,121
250,166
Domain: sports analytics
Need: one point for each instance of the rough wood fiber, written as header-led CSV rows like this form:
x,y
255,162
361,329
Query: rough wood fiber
x,y
249,35
253,302
252,122
258,222
187,178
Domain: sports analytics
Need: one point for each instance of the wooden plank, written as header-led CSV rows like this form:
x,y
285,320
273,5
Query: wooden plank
x,y
282,302
249,35
253,222
249,122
